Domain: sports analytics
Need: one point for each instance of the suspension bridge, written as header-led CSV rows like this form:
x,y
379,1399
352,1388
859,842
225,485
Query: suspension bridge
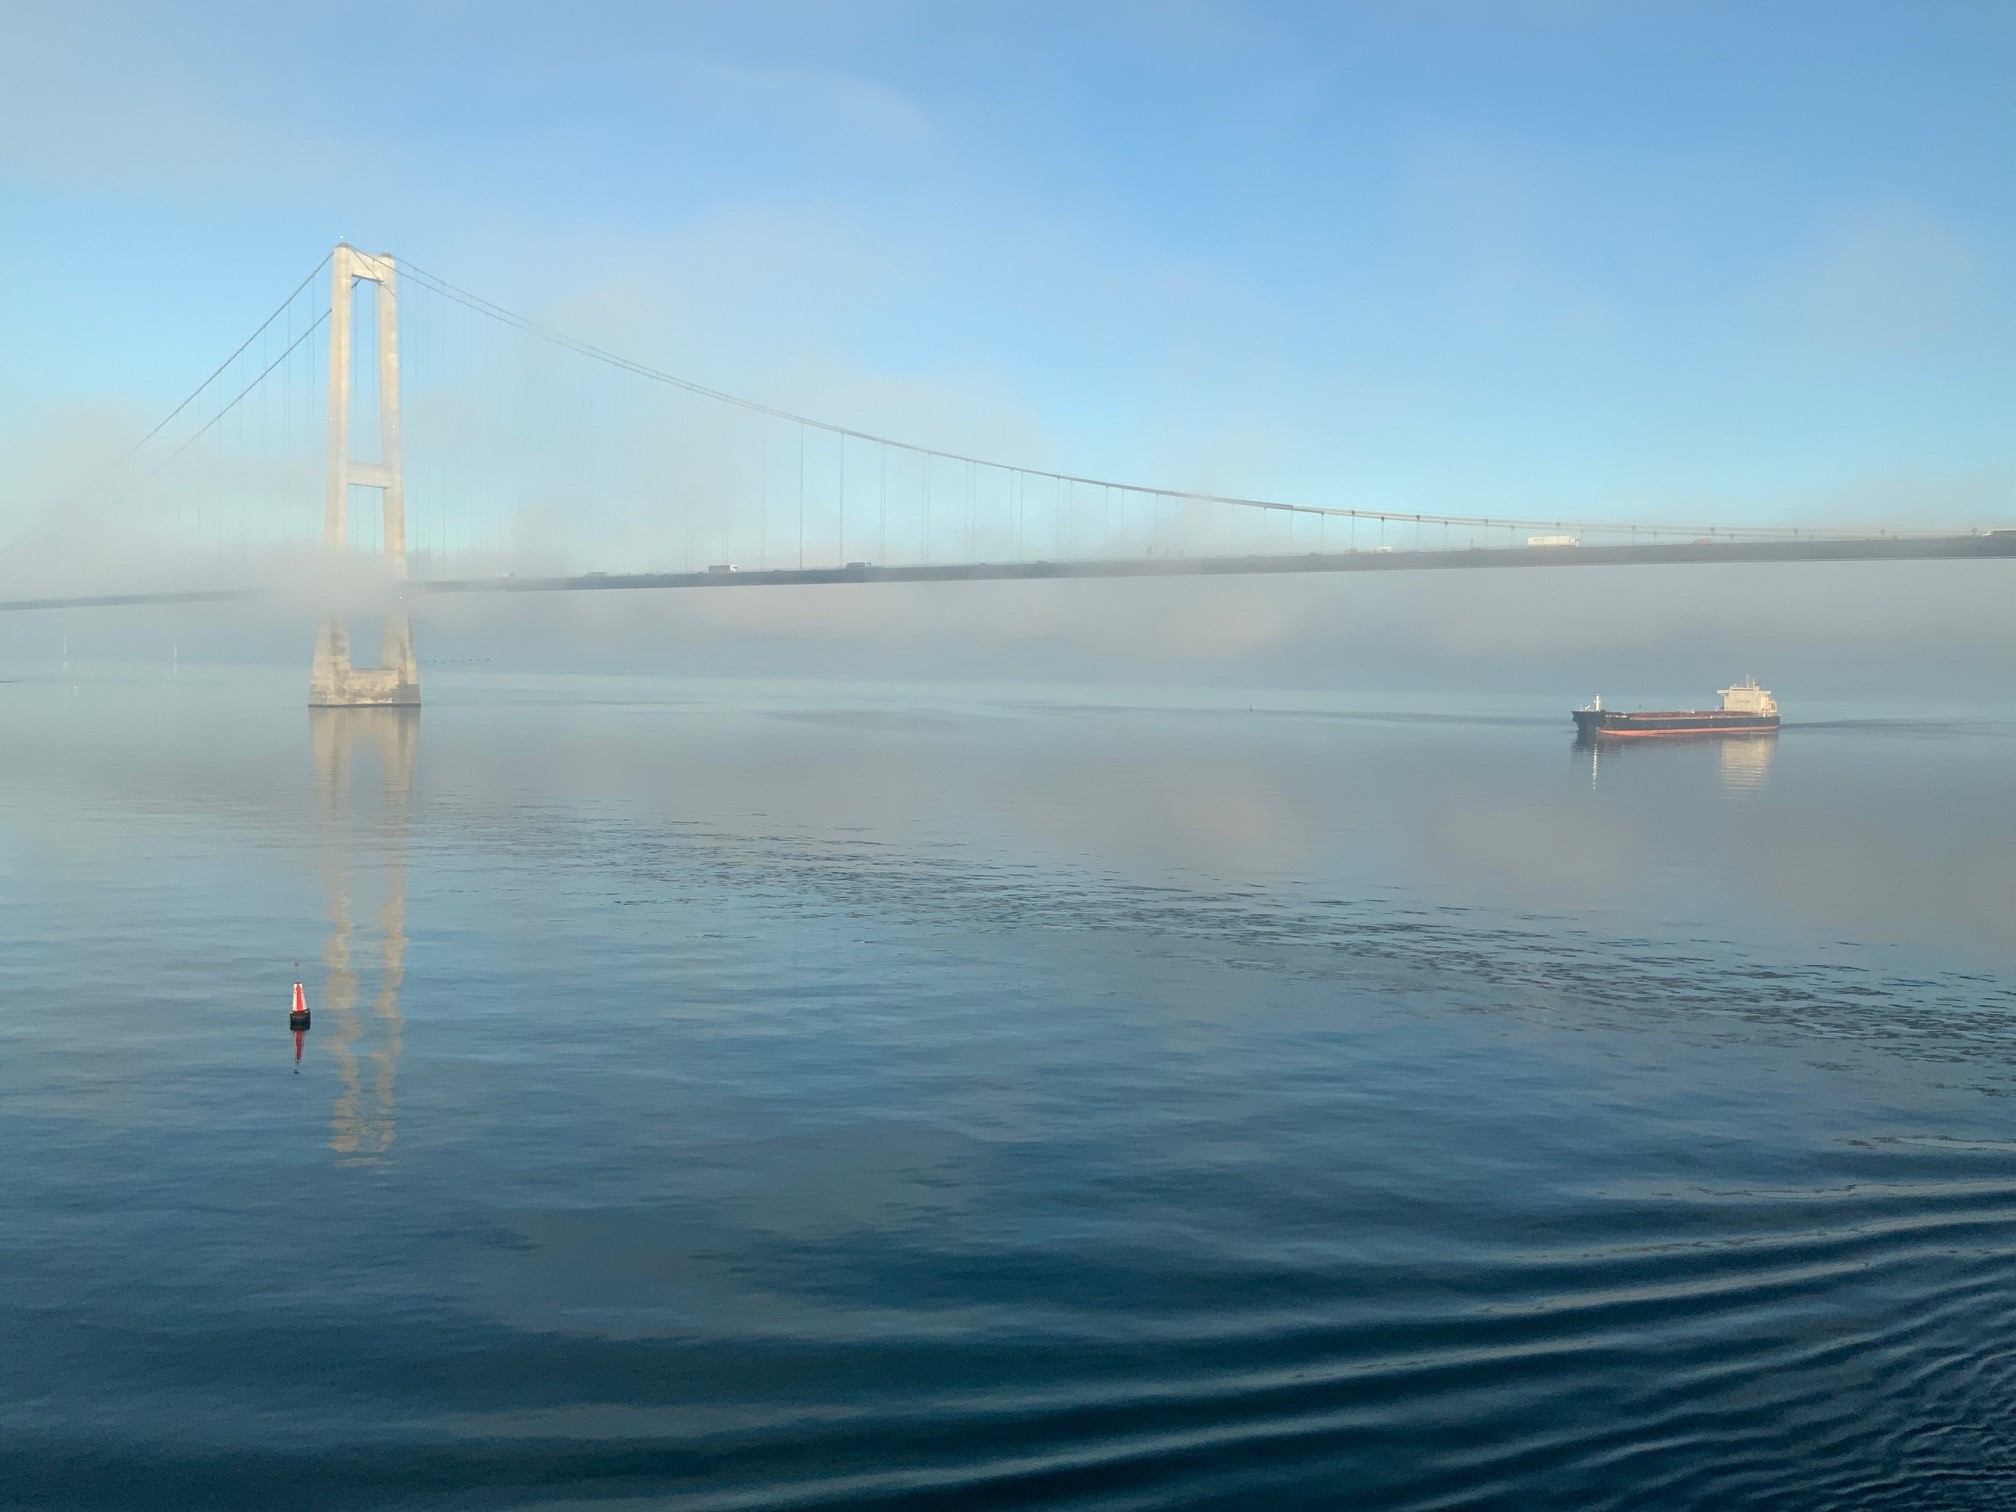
x,y
385,427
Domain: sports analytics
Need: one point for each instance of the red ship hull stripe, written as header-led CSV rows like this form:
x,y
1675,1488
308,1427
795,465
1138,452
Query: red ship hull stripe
x,y
1613,733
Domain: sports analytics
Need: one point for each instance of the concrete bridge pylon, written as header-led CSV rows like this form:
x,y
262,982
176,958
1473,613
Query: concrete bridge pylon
x,y
335,683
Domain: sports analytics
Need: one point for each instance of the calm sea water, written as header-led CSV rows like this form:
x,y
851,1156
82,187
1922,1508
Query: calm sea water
x,y
762,1097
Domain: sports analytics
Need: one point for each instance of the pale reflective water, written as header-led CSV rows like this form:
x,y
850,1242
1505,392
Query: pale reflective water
x,y
748,1097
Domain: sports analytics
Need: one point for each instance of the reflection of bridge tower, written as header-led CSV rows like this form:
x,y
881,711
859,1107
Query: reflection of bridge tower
x,y
365,1118
335,683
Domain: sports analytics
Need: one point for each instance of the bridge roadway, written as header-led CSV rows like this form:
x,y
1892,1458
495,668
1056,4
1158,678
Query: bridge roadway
x,y
1998,543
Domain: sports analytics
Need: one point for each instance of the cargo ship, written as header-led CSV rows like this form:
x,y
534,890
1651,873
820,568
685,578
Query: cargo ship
x,y
1746,710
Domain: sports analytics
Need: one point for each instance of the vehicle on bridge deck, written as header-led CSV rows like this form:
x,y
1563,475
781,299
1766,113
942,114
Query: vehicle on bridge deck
x,y
721,569
1746,710
1553,540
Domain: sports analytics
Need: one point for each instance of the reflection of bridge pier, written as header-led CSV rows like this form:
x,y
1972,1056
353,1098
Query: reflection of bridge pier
x,y
364,1120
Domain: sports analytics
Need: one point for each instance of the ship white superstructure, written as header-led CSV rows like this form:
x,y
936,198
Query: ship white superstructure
x,y
1747,698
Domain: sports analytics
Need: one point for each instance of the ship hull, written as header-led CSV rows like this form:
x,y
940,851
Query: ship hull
x,y
1611,724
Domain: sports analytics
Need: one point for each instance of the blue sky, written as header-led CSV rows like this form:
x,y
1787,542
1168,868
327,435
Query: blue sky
x,y
1745,261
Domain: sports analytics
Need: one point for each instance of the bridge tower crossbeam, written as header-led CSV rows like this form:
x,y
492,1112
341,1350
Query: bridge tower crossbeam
x,y
334,682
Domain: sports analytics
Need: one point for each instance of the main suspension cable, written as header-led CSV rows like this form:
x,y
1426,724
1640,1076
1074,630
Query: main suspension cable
x,y
531,327
190,398
285,304
188,441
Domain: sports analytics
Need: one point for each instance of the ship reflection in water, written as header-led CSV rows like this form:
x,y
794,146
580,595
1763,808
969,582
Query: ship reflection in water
x,y
364,1120
1746,761
1743,761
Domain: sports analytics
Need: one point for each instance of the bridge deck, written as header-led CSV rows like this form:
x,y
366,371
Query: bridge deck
x,y
2000,543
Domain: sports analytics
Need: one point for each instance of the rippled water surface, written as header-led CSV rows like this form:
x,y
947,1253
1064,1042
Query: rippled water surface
x,y
734,1096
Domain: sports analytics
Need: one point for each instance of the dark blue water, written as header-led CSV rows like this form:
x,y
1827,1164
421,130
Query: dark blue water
x,y
755,1097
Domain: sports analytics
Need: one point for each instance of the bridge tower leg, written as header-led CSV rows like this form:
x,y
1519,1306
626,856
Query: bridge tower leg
x,y
395,682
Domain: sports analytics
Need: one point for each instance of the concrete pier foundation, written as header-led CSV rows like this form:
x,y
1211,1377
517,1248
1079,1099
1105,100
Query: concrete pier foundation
x,y
333,683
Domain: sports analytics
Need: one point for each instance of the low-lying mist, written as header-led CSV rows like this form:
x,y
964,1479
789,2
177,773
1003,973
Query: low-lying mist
x,y
1875,630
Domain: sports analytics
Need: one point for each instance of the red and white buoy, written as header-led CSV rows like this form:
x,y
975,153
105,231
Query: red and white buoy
x,y
297,1013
